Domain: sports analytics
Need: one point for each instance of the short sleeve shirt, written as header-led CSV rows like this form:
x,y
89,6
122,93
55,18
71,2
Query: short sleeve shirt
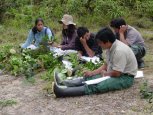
x,y
134,37
121,58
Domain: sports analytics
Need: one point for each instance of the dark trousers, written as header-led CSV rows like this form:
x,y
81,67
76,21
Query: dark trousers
x,y
139,52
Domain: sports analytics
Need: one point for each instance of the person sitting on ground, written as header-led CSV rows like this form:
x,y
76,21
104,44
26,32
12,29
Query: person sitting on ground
x,y
69,33
86,44
130,36
37,34
121,66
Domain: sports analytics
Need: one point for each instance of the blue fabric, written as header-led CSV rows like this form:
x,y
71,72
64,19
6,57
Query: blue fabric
x,y
37,37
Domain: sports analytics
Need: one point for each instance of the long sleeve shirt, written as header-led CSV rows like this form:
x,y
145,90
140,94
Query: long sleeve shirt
x,y
37,37
69,43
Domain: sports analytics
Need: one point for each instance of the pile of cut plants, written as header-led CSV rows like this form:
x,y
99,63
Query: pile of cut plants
x,y
28,63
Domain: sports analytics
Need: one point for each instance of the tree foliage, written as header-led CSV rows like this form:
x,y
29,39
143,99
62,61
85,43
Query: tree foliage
x,y
25,11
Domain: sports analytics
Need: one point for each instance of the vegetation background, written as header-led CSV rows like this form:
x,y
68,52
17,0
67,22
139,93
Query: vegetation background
x,y
17,16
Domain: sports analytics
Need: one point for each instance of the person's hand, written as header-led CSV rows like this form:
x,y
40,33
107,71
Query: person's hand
x,y
103,73
88,73
59,46
79,55
50,42
123,28
54,44
82,40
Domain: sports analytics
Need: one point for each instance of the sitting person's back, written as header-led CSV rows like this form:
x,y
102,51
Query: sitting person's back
x,y
121,58
134,37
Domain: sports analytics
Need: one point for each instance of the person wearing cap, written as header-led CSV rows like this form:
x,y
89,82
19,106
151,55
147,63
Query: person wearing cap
x,y
120,65
86,44
131,37
69,33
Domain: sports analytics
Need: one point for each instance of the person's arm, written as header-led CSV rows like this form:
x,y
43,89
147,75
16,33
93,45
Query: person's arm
x,y
78,47
79,54
71,44
113,73
100,70
89,51
62,42
49,34
123,39
97,49
122,30
29,40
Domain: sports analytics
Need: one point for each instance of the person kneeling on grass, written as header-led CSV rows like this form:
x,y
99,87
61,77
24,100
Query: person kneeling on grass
x,y
131,37
37,34
86,44
121,66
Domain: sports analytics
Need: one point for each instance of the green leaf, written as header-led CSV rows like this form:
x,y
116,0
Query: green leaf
x,y
64,71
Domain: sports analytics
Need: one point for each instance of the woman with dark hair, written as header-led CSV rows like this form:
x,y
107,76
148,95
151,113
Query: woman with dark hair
x,y
69,33
37,34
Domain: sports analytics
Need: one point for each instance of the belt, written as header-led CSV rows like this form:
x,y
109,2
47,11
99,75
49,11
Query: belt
x,y
128,75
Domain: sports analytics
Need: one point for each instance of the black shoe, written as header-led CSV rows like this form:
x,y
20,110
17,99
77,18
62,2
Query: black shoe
x,y
74,82
57,79
64,91
70,83
141,65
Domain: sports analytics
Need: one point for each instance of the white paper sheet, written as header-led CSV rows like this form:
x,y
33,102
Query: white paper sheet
x,y
94,59
32,47
139,74
70,51
59,52
96,81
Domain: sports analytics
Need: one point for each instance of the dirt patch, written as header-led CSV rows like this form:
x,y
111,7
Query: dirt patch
x,y
32,100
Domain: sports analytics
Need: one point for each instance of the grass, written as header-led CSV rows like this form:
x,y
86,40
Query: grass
x,y
147,34
12,36
10,102
30,80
